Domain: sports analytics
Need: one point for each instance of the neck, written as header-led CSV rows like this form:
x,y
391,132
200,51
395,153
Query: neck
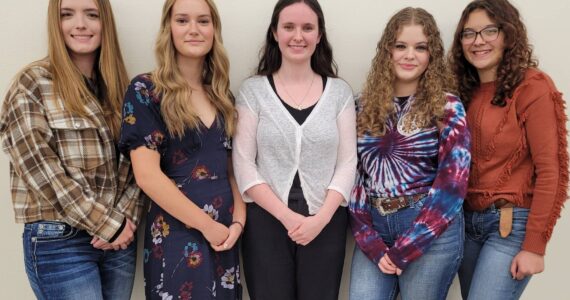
x,y
296,72
191,70
403,89
84,63
487,75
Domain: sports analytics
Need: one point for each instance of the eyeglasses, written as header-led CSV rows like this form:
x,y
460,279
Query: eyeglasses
x,y
488,34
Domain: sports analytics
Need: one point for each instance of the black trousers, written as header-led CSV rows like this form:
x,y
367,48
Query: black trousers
x,y
277,268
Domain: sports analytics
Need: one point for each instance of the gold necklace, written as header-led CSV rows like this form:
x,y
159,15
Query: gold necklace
x,y
298,105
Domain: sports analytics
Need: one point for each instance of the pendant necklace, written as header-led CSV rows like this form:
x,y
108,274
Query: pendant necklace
x,y
298,105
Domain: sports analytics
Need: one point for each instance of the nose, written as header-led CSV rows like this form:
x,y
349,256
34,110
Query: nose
x,y
478,39
298,35
409,53
79,21
193,27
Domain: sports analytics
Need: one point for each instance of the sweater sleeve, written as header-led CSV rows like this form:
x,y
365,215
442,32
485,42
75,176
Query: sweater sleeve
x,y
244,151
366,237
445,197
545,125
343,178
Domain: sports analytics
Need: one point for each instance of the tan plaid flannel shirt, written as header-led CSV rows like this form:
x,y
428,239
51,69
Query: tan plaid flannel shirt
x,y
64,167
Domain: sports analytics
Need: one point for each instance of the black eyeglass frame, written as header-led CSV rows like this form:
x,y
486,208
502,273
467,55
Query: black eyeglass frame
x,y
480,33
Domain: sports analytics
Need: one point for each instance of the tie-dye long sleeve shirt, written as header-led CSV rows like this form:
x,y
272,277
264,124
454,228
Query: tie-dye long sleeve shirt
x,y
433,160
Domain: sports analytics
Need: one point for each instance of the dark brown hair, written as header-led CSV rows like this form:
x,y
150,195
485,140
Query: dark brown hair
x,y
517,56
322,61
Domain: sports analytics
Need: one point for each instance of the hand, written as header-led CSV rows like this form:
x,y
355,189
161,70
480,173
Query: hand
x,y
235,232
308,230
526,263
388,267
100,244
216,233
126,236
292,220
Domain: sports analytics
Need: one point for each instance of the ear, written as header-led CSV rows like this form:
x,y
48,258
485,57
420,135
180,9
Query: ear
x,y
274,35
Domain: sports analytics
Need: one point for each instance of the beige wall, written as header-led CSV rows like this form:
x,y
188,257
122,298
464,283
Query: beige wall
x,y
354,28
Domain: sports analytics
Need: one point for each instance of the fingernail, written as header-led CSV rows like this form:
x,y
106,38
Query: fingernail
x,y
225,246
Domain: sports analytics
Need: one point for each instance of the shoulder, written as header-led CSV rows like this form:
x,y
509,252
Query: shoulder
x,y
340,86
535,86
253,83
454,106
34,80
144,78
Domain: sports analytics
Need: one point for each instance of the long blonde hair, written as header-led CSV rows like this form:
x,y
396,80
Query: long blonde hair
x,y
175,91
377,104
68,81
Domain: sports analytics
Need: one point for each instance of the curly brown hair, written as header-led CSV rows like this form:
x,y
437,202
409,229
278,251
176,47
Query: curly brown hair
x,y
517,56
376,101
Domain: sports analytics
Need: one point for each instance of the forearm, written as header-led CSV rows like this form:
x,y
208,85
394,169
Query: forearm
x,y
239,214
263,196
330,206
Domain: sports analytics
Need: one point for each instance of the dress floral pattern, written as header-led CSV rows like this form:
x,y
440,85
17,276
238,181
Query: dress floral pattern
x,y
178,261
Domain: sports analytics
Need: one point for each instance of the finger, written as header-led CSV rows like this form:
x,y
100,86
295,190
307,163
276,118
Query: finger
x,y
514,268
398,271
520,276
94,240
124,246
295,228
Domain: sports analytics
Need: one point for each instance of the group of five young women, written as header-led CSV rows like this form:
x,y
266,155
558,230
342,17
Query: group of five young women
x,y
460,163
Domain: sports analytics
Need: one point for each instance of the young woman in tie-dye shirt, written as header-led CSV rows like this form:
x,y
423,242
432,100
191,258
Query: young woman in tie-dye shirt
x,y
413,151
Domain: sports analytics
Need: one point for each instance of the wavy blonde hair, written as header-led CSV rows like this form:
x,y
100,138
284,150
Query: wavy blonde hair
x,y
377,104
175,91
68,82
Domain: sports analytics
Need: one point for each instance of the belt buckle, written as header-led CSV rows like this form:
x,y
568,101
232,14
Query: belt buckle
x,y
384,212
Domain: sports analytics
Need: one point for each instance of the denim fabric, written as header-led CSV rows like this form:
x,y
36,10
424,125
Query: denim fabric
x,y
62,264
427,278
485,270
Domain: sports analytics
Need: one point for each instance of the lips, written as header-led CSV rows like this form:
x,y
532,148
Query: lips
x,y
407,66
82,37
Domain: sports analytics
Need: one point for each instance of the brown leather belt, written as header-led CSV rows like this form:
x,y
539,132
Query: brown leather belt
x,y
386,206
506,216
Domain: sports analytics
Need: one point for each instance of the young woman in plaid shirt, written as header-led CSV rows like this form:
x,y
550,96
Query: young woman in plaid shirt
x,y
72,189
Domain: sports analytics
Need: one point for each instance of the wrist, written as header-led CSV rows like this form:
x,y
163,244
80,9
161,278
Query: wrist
x,y
239,225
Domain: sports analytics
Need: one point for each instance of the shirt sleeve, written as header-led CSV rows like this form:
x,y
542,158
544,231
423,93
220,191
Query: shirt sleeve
x,y
345,168
131,201
142,123
545,125
367,238
445,198
28,141
244,151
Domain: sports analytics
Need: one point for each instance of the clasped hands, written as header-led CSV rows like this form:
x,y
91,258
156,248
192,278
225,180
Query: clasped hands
x,y
388,267
122,242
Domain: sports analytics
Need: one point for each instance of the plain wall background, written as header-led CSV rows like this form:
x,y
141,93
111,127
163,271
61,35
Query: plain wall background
x,y
354,28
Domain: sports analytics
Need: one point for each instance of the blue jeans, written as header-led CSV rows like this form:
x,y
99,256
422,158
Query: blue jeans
x,y
62,264
485,270
427,278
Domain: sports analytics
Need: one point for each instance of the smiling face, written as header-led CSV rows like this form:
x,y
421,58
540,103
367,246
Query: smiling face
x,y
81,27
297,33
484,56
192,28
410,56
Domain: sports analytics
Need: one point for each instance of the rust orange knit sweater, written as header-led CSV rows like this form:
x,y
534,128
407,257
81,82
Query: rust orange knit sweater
x,y
519,153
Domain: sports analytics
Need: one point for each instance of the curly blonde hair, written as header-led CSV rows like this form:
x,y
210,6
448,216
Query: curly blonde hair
x,y
376,101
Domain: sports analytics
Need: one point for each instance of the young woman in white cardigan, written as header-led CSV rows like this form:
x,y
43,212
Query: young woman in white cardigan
x,y
295,160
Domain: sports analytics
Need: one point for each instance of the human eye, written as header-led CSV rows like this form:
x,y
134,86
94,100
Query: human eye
x,y
204,21
181,20
308,28
93,15
490,31
288,27
65,14
422,48
468,34
400,46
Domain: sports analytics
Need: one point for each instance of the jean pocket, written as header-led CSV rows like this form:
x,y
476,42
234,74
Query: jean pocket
x,y
45,231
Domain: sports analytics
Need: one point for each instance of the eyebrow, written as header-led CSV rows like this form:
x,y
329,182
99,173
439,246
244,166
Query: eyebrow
x,y
484,27
187,15
91,10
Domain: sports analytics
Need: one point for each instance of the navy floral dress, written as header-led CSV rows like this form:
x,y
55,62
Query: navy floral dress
x,y
178,261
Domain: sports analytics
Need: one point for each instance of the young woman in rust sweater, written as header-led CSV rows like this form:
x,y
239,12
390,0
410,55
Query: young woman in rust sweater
x,y
519,175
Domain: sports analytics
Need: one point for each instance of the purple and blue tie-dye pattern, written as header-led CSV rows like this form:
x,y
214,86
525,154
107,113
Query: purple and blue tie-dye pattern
x,y
435,160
